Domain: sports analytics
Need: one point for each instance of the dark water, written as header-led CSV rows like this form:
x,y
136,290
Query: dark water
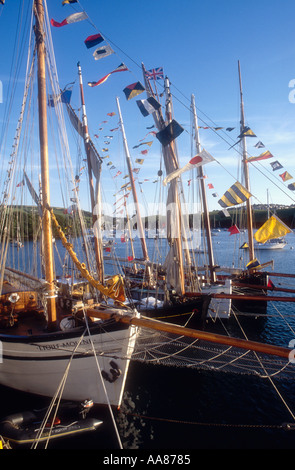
x,y
187,409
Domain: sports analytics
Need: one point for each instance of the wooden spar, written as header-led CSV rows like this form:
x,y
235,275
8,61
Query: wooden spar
x,y
46,219
265,298
133,188
280,274
246,174
97,240
204,197
188,332
257,287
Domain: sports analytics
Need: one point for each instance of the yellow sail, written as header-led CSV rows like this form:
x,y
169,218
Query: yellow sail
x,y
272,228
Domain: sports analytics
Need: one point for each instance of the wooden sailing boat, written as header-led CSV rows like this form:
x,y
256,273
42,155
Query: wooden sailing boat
x,y
168,302
181,278
246,282
45,349
277,243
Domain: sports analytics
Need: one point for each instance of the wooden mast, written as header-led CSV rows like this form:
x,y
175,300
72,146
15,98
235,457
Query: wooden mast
x,y
246,174
97,238
46,219
133,188
173,165
204,197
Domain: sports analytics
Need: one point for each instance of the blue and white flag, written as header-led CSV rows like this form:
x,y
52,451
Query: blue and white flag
x,y
148,106
101,52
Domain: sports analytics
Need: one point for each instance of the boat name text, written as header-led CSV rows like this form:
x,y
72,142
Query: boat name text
x,y
63,345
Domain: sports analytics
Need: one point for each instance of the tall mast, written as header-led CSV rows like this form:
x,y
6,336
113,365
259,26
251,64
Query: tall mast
x,y
174,260
171,163
95,198
42,105
133,188
246,174
204,196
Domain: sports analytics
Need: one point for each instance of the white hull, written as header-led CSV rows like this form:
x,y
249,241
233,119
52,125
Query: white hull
x,y
270,246
219,308
37,364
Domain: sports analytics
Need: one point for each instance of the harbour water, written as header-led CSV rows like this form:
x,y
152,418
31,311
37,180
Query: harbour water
x,y
182,409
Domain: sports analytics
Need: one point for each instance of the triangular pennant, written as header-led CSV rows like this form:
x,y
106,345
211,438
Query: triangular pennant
x,y
122,68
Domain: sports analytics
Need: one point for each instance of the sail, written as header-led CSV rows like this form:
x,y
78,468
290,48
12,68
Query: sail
x,y
33,193
95,160
77,124
272,228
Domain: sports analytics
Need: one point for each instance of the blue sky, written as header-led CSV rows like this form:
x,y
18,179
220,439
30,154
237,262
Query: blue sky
x,y
198,43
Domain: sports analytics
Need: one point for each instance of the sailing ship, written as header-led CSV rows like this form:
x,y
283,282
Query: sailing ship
x,y
150,292
49,346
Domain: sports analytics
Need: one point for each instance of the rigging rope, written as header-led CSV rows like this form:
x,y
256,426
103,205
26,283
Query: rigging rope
x,y
102,381
114,288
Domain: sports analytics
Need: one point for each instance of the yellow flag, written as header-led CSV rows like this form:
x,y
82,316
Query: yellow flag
x,y
273,228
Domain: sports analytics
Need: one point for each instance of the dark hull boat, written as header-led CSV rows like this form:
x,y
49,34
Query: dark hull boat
x,y
27,428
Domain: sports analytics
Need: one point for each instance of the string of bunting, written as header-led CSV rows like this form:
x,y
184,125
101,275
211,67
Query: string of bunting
x,y
150,105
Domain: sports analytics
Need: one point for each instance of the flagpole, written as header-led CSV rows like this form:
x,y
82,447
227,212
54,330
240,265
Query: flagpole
x,y
204,197
97,236
246,174
133,188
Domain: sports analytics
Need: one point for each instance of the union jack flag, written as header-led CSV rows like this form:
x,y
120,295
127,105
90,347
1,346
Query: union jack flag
x,y
155,74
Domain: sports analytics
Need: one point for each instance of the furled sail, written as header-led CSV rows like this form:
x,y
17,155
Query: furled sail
x,y
33,193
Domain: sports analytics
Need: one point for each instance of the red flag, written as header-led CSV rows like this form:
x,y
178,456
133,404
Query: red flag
x,y
130,258
270,284
233,230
